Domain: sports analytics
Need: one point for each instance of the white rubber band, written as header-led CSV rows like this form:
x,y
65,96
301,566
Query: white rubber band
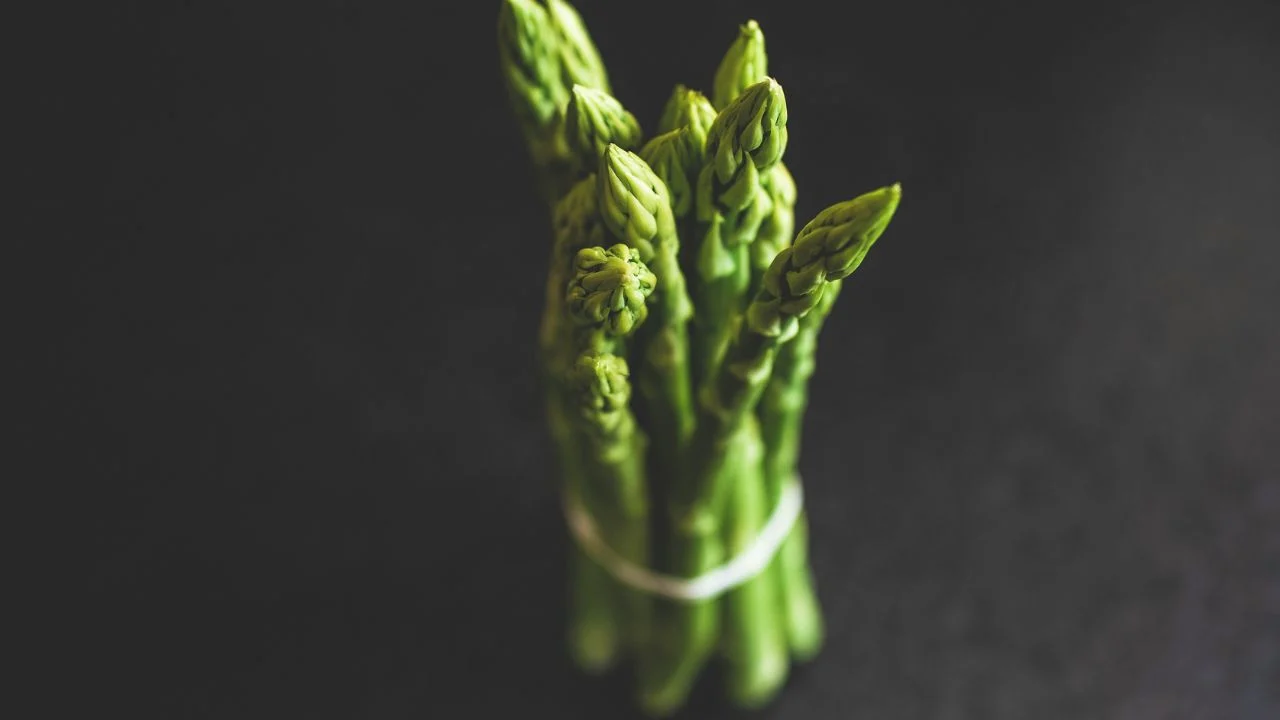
x,y
737,570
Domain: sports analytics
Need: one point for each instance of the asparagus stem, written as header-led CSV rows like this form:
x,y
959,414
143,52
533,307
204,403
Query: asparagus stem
x,y
801,611
781,417
685,632
595,626
615,488
755,637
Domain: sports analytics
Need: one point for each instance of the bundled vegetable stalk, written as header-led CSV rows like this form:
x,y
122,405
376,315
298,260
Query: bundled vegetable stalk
x,y
677,342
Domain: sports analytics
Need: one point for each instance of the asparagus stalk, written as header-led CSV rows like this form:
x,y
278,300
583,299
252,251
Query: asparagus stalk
x,y
781,417
595,633
745,64
529,56
747,138
755,641
606,299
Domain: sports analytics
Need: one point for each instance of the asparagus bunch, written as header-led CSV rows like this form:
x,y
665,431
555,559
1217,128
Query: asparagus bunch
x,y
674,271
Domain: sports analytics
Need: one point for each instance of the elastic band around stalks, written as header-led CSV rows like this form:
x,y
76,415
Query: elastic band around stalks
x,y
737,570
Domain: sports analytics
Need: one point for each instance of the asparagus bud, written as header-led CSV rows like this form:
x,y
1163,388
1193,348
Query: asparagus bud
x,y
691,109
747,138
609,288
754,125
633,201
830,247
530,63
594,120
743,65
580,62
602,391
673,158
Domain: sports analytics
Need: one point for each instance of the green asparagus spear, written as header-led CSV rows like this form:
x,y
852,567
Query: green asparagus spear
x,y
530,61
744,65
781,418
747,138
595,627
580,62
607,300
594,120
755,640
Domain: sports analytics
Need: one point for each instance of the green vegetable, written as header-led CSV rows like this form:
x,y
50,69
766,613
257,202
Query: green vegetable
x,y
781,418
616,497
672,267
691,109
580,62
747,138
744,65
594,120
755,642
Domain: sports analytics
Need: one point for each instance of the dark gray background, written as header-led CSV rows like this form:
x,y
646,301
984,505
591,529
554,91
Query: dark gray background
x,y
298,357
